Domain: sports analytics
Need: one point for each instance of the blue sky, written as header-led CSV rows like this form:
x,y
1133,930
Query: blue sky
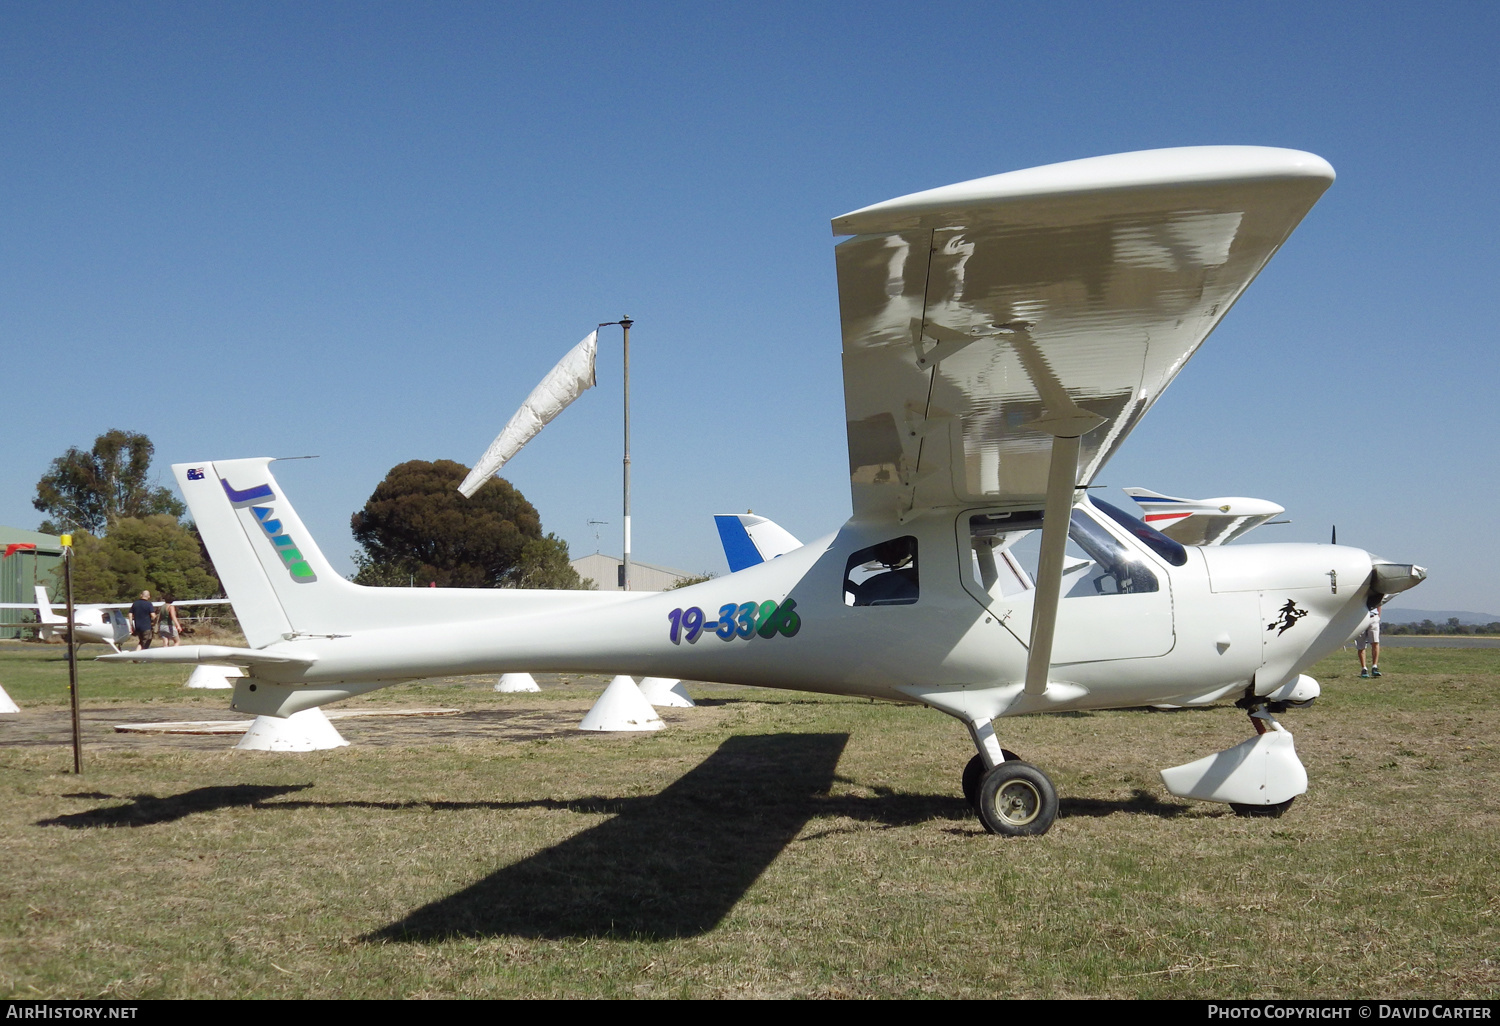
x,y
364,231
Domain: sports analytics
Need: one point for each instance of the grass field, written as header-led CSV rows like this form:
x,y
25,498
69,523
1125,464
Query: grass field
x,y
765,844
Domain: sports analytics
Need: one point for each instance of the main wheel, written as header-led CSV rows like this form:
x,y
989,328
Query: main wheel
x,y
1262,811
1017,800
974,773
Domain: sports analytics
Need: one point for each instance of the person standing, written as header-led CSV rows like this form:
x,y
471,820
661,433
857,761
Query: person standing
x,y
142,612
1369,635
167,624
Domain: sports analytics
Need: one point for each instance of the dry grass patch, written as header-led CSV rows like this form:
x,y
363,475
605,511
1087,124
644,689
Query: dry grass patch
x,y
763,845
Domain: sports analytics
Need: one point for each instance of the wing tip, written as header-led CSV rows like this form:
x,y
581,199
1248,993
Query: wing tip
x,y
1180,165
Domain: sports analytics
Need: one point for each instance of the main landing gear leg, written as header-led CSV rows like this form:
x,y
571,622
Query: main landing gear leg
x,y
1013,798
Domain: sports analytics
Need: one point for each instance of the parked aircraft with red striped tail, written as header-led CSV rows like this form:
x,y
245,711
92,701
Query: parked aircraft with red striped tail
x,y
1203,521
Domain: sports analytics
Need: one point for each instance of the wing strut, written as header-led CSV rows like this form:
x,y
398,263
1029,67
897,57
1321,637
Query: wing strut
x,y
1067,422
1061,480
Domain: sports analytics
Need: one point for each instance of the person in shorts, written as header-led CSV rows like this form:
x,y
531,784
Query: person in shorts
x,y
167,624
142,613
1369,635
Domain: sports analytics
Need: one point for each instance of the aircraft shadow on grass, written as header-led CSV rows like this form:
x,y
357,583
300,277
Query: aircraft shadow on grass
x,y
1141,803
148,810
668,865
674,864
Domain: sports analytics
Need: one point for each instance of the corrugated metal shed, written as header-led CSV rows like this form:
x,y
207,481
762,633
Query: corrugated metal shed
x,y
605,571
23,570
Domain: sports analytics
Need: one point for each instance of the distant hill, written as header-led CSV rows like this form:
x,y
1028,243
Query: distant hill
x,y
1392,614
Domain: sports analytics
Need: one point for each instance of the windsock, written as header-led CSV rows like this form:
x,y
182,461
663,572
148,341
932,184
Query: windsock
x,y
573,375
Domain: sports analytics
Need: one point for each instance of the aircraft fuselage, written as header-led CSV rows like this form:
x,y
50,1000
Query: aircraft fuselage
x,y
1225,618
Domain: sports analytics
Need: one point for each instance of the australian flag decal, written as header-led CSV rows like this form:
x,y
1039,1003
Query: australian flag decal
x,y
195,474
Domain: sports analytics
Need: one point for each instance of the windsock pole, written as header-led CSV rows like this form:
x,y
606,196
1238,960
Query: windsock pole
x,y
625,323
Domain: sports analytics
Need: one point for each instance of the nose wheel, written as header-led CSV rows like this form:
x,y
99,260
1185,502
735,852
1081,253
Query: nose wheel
x,y
1262,811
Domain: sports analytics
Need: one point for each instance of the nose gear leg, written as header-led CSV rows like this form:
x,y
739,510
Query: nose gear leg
x,y
1258,777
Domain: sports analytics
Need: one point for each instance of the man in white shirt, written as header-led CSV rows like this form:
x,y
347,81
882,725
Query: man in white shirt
x,y
1369,635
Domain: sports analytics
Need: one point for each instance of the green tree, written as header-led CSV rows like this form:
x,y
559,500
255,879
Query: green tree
x,y
417,527
389,574
103,572
153,553
544,564
90,491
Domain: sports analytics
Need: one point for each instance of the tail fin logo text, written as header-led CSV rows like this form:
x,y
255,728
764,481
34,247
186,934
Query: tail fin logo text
x,y
285,547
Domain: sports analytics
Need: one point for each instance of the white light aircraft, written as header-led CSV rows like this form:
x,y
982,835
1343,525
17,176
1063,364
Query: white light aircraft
x,y
1001,339
102,623
91,623
1203,521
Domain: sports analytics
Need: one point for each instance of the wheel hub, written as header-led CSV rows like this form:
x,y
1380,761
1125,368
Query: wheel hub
x,y
1018,802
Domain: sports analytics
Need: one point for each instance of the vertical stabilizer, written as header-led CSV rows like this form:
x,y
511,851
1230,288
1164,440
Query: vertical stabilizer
x,y
750,540
44,613
278,581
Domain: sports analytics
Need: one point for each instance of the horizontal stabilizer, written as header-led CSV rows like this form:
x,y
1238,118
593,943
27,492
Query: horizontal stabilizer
x,y
750,540
211,654
45,607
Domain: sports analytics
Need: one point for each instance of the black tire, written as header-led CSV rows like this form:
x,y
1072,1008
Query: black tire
x,y
1017,800
1262,811
974,773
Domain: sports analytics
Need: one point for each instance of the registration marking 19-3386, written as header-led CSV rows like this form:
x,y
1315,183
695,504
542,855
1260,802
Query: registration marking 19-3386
x,y
743,620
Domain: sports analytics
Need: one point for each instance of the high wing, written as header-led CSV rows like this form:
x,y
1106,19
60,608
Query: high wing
x,y
982,319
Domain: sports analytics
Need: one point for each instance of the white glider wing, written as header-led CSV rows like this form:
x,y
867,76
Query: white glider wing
x,y
1068,293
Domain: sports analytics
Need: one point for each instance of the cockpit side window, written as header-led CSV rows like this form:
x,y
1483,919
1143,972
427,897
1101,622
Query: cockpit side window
x,y
1113,569
992,541
1004,549
883,575
1165,547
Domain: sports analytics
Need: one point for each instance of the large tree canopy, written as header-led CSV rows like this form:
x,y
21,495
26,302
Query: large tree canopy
x,y
90,491
155,553
417,528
